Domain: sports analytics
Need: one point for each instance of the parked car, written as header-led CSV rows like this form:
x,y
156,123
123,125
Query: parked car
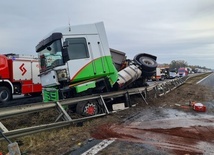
x,y
173,74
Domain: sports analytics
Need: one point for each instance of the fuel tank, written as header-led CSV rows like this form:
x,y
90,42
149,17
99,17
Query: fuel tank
x,y
128,75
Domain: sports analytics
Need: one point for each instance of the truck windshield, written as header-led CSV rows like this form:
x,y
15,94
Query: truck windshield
x,y
51,56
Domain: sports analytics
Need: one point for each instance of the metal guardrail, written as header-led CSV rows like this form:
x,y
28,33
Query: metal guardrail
x,y
166,87
157,89
36,107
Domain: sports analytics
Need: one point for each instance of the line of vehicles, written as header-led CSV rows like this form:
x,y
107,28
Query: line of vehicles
x,y
164,72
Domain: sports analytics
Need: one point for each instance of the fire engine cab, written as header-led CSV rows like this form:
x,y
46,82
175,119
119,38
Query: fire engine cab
x,y
18,75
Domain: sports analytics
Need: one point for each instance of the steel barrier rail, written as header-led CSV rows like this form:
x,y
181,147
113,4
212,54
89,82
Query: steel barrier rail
x,y
12,111
24,109
44,127
35,107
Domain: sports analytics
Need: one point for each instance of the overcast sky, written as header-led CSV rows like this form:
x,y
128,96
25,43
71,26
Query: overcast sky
x,y
169,29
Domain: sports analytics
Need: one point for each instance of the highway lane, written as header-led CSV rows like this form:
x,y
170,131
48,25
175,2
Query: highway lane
x,y
207,81
155,131
21,100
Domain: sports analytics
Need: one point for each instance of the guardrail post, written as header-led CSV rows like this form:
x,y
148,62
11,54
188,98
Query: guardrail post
x,y
155,90
145,92
128,102
180,81
173,84
63,114
143,97
3,128
169,86
104,104
164,88
177,82
160,90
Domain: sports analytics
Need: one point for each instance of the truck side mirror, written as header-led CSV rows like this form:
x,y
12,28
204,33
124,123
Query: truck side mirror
x,y
65,55
65,44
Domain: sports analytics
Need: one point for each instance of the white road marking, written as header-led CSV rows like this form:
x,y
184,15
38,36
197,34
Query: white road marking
x,y
203,79
94,150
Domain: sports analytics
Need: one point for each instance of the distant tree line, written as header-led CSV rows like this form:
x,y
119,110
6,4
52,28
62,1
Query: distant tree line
x,y
176,64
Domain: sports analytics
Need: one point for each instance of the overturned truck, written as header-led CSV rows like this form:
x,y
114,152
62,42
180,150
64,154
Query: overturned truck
x,y
77,60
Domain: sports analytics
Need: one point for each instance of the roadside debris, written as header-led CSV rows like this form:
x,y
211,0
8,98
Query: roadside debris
x,y
197,106
182,106
12,147
177,105
118,106
194,105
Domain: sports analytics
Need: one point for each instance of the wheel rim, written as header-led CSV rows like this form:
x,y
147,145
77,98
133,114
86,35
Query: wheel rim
x,y
4,95
147,62
90,109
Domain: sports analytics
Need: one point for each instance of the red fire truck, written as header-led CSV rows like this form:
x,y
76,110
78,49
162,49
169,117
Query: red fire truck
x,y
18,75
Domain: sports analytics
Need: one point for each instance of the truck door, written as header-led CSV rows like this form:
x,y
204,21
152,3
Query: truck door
x,y
83,51
97,53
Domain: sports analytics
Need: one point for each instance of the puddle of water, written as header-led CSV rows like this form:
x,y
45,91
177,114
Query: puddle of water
x,y
172,123
170,118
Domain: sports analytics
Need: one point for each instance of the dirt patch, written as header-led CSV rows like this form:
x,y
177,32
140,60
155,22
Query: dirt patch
x,y
193,140
68,138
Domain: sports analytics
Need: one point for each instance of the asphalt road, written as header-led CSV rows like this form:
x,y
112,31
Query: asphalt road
x,y
207,81
160,131
21,100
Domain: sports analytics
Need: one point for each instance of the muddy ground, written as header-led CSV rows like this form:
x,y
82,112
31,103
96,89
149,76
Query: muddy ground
x,y
64,140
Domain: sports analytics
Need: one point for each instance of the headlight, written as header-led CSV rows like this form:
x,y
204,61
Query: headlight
x,y
62,75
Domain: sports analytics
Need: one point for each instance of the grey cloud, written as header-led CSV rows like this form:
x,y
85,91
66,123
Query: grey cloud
x,y
178,29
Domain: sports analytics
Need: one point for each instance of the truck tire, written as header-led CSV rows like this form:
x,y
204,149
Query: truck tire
x,y
87,108
146,63
5,94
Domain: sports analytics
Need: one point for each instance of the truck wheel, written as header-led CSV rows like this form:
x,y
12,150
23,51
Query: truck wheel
x,y
146,61
148,64
5,94
87,108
